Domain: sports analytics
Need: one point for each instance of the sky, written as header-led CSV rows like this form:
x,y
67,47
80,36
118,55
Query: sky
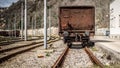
x,y
6,3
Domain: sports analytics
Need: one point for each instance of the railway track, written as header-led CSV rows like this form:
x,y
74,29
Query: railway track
x,y
8,42
7,53
65,58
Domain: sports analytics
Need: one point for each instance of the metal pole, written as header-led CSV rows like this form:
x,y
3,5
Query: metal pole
x,y
49,23
14,31
35,18
32,27
15,26
9,27
25,21
12,28
22,20
35,24
45,25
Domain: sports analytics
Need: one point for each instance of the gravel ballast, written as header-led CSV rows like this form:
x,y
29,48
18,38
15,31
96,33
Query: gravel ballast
x,y
77,58
107,59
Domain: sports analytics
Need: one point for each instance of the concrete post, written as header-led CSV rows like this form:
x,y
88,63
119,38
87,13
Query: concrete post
x,y
32,27
49,23
15,26
9,27
45,24
12,27
22,21
25,21
35,25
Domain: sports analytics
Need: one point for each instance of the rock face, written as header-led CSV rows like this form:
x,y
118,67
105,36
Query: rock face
x,y
35,11
101,9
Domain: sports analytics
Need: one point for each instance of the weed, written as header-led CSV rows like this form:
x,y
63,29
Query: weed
x,y
94,49
48,54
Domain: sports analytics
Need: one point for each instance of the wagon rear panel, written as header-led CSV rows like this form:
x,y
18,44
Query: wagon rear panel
x,y
76,19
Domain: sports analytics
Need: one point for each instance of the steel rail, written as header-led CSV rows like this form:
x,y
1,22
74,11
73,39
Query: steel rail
x,y
33,43
61,58
93,58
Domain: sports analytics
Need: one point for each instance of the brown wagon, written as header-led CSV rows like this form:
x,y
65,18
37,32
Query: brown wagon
x,y
75,21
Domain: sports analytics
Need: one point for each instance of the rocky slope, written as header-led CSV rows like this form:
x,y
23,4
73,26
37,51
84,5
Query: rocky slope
x,y
35,12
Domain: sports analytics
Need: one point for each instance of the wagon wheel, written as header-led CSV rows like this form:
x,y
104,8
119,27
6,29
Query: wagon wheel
x,y
69,44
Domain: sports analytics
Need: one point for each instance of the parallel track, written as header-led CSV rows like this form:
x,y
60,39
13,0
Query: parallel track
x,y
5,54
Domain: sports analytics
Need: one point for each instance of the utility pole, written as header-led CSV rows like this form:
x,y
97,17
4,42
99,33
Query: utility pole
x,y
8,26
15,25
35,25
25,21
45,24
22,20
32,26
12,23
49,23
35,18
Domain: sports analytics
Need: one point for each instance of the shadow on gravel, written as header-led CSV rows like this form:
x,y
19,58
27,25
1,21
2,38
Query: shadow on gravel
x,y
79,46
100,41
76,46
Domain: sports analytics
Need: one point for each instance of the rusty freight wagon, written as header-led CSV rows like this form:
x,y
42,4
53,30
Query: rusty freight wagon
x,y
74,22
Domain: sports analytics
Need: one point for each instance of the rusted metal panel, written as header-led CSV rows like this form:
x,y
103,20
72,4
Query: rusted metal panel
x,y
65,17
77,18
